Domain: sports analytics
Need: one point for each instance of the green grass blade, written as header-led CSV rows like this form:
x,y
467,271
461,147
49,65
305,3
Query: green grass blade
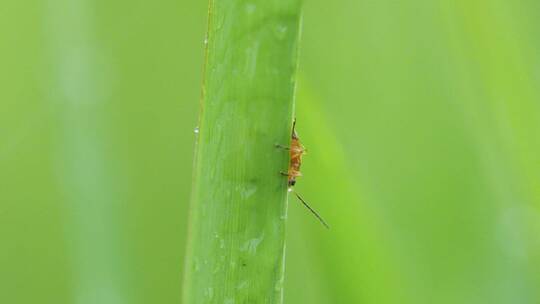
x,y
237,224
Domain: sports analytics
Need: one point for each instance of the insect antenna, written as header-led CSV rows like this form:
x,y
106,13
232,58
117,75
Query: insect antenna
x,y
312,211
293,133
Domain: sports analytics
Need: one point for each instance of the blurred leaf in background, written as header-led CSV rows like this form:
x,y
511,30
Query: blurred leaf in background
x,y
421,120
99,100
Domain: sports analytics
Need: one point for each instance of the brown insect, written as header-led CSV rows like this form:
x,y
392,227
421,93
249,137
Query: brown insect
x,y
297,150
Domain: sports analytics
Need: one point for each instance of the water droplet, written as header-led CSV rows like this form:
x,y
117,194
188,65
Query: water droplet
x,y
242,285
196,265
289,189
196,130
515,230
249,191
206,40
251,245
219,23
281,31
209,292
279,284
250,8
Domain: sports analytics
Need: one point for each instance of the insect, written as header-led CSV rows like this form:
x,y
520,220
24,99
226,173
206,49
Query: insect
x,y
296,151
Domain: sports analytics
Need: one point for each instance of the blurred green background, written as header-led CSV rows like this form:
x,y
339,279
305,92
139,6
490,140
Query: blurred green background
x,y
422,120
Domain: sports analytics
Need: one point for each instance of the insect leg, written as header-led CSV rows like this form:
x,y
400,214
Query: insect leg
x,y
282,147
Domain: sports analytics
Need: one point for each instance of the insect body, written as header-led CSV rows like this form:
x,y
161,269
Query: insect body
x,y
297,150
